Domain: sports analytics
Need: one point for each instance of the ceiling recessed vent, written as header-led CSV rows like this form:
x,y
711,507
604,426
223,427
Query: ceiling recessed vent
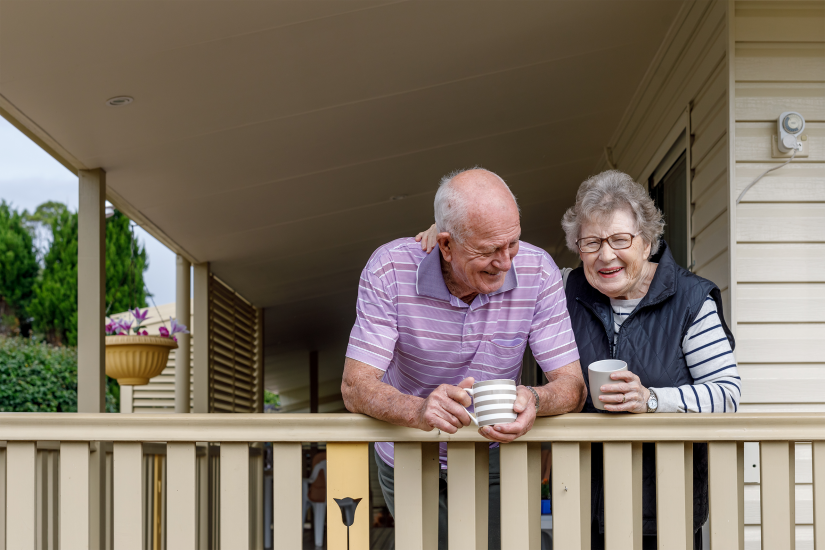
x,y
119,101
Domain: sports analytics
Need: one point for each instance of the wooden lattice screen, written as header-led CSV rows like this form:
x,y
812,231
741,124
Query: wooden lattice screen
x,y
235,376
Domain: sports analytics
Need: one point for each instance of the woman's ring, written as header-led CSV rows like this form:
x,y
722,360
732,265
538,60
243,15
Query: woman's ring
x,y
624,397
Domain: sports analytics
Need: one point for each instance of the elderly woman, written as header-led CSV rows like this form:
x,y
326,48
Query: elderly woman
x,y
629,300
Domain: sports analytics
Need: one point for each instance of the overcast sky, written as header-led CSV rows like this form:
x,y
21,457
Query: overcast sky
x,y
29,177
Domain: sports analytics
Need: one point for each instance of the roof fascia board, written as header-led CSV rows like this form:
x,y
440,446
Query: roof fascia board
x,y
39,136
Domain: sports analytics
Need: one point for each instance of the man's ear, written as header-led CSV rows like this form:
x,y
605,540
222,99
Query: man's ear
x,y
445,245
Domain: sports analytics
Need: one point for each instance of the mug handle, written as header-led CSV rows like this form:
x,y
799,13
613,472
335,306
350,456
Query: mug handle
x,y
472,416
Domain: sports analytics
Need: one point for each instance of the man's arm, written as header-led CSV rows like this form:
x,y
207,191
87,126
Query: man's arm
x,y
564,392
364,392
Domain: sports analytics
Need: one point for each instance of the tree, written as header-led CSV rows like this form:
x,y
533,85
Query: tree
x,y
18,270
126,262
54,306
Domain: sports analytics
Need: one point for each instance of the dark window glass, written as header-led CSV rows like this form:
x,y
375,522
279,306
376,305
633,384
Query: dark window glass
x,y
670,196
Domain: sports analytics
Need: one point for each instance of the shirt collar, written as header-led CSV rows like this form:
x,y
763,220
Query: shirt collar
x,y
430,282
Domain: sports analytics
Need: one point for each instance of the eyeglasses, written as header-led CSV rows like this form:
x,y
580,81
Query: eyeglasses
x,y
619,241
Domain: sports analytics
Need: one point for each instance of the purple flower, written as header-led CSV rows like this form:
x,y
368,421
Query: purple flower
x,y
140,316
164,332
144,333
178,328
124,325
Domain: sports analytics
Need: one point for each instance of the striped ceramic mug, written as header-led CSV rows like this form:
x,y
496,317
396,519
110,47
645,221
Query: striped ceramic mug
x,y
493,400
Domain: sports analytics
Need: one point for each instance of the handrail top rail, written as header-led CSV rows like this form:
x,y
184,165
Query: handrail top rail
x,y
360,428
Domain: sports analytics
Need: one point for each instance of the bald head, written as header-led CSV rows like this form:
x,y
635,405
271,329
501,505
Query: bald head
x,y
469,200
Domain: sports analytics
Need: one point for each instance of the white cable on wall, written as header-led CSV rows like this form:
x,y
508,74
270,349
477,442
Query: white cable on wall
x,y
762,175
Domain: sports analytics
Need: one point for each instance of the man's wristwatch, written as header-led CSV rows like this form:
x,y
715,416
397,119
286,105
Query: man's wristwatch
x,y
536,395
652,402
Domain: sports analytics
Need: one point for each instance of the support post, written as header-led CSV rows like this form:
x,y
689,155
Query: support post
x,y
91,291
182,354
200,327
313,381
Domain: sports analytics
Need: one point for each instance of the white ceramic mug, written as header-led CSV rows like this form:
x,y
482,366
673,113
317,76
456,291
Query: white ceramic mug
x,y
493,401
598,374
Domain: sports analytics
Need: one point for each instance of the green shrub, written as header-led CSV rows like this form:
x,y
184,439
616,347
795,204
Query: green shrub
x,y
38,377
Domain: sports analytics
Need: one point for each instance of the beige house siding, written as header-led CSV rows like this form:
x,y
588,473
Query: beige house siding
x,y
780,227
779,65
689,72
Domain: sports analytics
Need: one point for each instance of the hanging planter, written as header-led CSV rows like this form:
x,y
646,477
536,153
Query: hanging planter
x,y
132,359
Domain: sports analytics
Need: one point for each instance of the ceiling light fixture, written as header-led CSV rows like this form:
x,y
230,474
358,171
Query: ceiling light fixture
x,y
119,101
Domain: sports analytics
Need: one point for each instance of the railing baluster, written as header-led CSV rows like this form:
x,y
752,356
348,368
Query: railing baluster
x,y
288,525
202,453
461,504
819,493
430,474
671,500
256,499
482,468
108,499
740,490
20,492
516,504
234,523
74,495
409,501
623,485
724,498
127,463
181,496
3,499
534,494
53,468
348,476
42,498
778,498
570,493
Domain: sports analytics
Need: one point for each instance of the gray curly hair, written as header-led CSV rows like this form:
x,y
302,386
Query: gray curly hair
x,y
601,195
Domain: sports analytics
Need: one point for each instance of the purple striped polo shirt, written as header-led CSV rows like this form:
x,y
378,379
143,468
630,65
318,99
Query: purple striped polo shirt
x,y
410,326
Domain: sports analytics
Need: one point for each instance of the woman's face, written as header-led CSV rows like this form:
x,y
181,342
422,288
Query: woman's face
x,y
615,273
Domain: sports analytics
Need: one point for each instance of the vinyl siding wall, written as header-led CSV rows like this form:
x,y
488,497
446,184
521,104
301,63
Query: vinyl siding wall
x,y
689,71
779,65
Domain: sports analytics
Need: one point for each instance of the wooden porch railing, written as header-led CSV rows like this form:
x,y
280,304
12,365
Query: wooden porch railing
x,y
65,441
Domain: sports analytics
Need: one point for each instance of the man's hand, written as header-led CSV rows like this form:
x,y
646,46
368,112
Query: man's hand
x,y
564,392
525,407
444,408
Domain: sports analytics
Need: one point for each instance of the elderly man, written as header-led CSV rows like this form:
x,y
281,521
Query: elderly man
x,y
428,326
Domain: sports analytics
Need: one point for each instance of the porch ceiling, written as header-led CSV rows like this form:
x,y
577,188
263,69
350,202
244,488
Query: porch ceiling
x,y
267,137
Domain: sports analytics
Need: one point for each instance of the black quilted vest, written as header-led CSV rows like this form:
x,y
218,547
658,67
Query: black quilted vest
x,y
650,341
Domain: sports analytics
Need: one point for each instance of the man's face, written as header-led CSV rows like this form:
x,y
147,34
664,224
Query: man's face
x,y
481,262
